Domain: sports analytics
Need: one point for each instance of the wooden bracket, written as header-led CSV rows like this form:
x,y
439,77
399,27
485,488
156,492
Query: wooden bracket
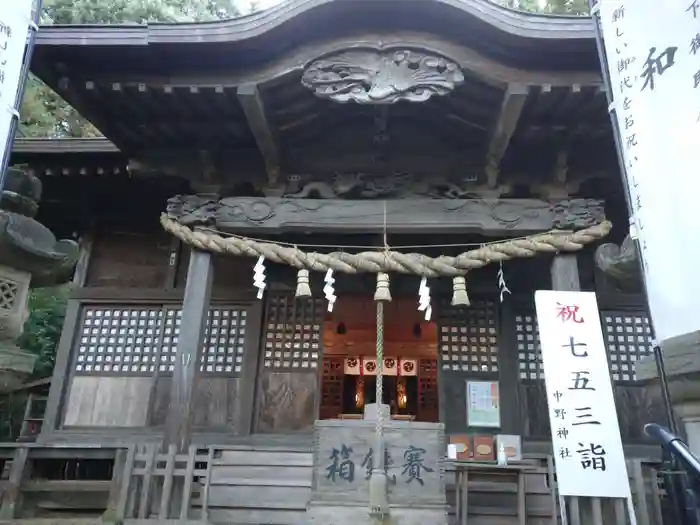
x,y
254,109
513,103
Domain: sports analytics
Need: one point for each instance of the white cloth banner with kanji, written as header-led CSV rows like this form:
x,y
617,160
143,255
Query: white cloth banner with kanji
x,y
15,20
586,441
653,57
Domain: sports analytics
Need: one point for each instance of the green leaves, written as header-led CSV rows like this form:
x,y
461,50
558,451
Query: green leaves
x,y
560,7
42,331
47,309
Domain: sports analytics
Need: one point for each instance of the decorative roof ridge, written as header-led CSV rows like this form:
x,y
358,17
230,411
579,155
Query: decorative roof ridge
x,y
515,23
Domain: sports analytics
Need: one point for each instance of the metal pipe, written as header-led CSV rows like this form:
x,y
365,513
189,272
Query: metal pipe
x,y
676,445
24,75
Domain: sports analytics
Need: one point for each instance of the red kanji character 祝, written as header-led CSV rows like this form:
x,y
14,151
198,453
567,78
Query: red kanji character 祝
x,y
568,313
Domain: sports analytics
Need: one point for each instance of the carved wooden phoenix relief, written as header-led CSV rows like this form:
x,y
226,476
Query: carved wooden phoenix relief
x,y
369,76
489,216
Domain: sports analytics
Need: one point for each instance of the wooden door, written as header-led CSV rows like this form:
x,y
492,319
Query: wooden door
x,y
331,388
428,408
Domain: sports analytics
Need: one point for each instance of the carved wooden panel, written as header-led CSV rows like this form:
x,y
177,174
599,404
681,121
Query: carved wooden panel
x,y
428,407
293,333
287,402
135,339
468,338
332,388
382,77
628,338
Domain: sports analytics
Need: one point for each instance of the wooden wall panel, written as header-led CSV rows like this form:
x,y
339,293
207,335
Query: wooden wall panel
x,y
636,406
229,272
108,402
399,340
286,402
454,396
216,403
534,410
129,260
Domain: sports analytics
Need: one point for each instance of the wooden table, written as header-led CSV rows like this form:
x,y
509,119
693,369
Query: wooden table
x,y
462,474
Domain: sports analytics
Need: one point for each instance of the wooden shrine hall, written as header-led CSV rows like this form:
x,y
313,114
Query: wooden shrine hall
x,y
326,129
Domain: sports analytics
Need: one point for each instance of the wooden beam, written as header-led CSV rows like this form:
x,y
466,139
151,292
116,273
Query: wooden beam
x,y
564,271
511,108
254,109
82,267
195,307
493,217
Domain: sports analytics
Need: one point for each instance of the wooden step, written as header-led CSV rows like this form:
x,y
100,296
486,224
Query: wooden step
x,y
260,485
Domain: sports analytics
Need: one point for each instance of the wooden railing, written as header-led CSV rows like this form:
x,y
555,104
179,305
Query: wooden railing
x,y
526,492
161,485
38,481
227,484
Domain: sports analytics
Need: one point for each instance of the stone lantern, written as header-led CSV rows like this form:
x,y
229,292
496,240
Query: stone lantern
x,y
30,256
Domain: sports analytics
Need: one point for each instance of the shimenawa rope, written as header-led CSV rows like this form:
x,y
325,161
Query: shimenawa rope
x,y
390,261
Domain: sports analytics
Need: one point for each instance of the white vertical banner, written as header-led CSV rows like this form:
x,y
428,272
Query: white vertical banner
x,y
15,22
653,56
586,440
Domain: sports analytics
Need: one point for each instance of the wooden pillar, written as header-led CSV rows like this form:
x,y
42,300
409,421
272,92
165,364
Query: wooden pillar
x,y
62,372
565,278
178,425
11,498
564,272
509,374
64,359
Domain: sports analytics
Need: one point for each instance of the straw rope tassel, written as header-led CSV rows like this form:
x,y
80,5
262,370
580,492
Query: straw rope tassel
x,y
459,292
303,288
378,483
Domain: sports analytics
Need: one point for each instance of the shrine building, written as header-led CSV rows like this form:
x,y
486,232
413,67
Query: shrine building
x,y
307,134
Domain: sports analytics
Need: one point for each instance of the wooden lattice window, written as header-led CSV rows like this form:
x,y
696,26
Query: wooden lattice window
x,y
332,388
528,344
293,333
119,340
468,340
628,338
428,407
135,339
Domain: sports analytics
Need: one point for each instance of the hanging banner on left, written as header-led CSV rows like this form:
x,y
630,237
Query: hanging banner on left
x,y
15,21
